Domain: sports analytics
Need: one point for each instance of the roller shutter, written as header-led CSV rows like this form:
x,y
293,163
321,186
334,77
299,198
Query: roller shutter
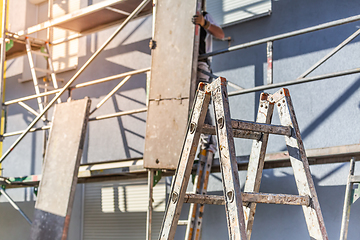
x,y
117,210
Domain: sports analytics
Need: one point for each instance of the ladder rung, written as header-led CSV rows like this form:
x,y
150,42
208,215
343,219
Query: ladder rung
x,y
251,197
42,70
40,53
208,129
204,199
183,222
355,179
261,127
46,87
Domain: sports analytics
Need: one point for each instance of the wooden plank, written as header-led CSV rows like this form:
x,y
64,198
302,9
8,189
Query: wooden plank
x,y
165,133
91,17
59,175
172,65
119,169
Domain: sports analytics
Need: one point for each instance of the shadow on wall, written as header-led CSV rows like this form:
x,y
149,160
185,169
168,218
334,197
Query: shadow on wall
x,y
286,17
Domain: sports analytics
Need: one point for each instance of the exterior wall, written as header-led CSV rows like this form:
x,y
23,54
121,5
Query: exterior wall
x,y
111,139
327,112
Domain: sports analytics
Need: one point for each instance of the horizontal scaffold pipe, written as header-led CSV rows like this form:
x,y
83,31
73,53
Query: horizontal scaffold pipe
x,y
71,81
297,81
102,117
282,36
80,85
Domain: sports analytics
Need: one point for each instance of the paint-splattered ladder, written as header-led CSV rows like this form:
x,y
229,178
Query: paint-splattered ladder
x,y
194,221
240,207
352,194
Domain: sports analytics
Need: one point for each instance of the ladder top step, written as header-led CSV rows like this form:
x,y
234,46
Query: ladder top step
x,y
40,53
42,70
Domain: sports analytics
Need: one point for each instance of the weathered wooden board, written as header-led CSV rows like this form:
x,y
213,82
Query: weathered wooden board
x,y
60,171
174,62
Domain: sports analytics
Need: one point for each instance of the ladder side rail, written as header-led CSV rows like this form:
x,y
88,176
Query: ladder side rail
x,y
228,164
197,189
347,202
33,73
256,161
183,171
51,68
205,181
300,165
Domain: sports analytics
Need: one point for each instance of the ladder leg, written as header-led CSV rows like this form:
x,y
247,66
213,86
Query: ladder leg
x,y
256,161
200,208
33,73
183,171
347,203
197,190
228,163
300,165
51,68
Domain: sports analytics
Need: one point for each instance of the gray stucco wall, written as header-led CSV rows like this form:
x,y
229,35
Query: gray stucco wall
x,y
327,111
111,139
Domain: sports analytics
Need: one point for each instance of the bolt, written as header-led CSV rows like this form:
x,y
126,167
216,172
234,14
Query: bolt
x,y
174,197
221,122
192,127
230,195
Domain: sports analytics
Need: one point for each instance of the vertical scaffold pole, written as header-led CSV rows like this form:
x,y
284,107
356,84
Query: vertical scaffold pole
x,y
150,207
2,74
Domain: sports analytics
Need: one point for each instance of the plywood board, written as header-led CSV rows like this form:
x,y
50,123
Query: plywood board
x,y
172,70
60,171
164,138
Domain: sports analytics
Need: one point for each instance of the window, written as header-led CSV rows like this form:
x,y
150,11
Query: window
x,y
229,12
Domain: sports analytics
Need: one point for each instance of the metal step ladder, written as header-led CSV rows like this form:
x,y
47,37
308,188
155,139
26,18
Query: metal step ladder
x,y
351,195
240,207
194,221
34,69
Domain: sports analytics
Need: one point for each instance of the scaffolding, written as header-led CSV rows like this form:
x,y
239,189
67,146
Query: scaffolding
x,y
133,168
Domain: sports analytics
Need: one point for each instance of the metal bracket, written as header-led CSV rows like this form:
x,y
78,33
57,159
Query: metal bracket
x,y
158,99
355,193
152,44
